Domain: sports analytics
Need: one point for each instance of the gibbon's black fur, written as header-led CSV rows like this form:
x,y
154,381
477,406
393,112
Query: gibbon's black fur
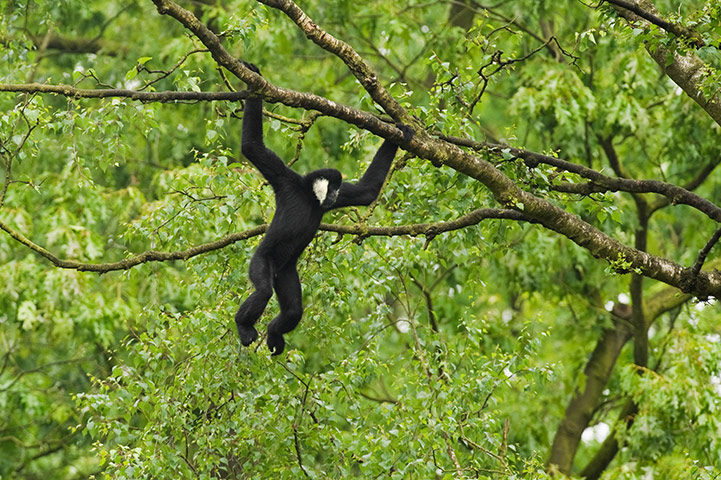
x,y
300,202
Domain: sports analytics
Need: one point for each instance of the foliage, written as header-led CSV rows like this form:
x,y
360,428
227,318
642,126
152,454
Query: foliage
x,y
445,356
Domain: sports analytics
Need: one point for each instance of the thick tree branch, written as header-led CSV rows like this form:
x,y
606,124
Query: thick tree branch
x,y
658,304
430,230
598,464
599,182
583,404
598,370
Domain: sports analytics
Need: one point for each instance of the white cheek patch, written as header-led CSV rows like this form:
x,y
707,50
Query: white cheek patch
x,y
320,188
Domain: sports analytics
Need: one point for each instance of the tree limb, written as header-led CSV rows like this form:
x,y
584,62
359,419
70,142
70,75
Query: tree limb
x,y
355,63
73,92
608,449
677,30
583,403
687,71
696,267
430,230
599,181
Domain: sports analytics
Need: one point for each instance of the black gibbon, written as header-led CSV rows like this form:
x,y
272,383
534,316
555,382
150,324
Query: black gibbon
x,y
300,202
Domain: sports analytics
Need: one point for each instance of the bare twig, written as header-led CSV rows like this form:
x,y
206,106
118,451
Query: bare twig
x,y
165,74
705,251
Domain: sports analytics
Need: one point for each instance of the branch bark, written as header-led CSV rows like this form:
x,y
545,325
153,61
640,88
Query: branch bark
x,y
601,182
598,464
598,371
164,97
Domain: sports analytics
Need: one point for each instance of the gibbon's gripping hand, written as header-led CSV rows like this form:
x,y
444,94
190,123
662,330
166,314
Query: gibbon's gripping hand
x,y
252,68
408,132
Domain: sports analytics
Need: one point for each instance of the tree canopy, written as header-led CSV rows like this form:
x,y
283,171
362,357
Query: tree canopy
x,y
533,295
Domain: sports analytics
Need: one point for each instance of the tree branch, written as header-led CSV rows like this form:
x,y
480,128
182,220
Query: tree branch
x,y
430,230
69,91
599,181
705,251
687,71
583,403
72,45
355,63
677,30
148,256
608,449
691,185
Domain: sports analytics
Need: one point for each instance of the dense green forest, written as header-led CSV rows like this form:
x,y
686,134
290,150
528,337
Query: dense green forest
x,y
532,295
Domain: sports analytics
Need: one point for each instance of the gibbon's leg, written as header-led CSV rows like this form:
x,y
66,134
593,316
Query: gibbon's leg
x,y
290,298
261,274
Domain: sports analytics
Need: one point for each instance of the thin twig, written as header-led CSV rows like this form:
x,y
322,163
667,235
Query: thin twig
x,y
705,251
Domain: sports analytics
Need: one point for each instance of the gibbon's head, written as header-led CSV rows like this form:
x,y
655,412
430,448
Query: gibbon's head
x,y
325,184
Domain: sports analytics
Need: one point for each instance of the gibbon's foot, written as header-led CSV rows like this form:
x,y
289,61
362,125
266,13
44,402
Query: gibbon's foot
x,y
247,335
408,132
276,343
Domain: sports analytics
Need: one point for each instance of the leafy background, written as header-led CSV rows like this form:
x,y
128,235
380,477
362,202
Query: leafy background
x,y
448,357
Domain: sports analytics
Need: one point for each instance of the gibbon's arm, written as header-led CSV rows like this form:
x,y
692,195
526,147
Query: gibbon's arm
x,y
252,146
369,186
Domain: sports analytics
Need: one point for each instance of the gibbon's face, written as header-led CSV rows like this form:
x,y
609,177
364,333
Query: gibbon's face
x,y
325,191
